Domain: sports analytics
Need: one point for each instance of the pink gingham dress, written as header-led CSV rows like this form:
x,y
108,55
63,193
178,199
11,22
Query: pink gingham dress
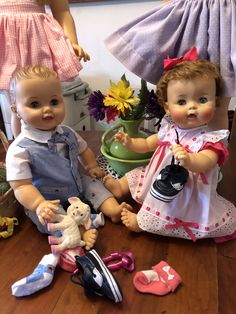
x,y
29,36
197,211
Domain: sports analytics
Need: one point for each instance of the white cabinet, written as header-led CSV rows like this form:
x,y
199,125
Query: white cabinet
x,y
6,113
77,115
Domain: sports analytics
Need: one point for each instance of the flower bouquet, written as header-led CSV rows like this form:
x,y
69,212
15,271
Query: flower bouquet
x,y
121,102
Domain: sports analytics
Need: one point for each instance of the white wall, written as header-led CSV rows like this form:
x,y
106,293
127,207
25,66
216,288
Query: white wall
x,y
94,22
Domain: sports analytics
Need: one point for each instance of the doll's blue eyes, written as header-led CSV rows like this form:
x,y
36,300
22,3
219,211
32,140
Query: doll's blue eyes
x,y
35,104
54,102
202,100
181,102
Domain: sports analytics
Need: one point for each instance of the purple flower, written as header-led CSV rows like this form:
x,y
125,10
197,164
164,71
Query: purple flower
x,y
95,105
153,108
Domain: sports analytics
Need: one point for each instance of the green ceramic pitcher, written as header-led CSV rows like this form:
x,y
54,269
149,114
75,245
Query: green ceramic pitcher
x,y
116,149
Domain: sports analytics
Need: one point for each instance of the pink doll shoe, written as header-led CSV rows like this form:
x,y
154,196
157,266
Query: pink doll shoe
x,y
161,280
67,258
121,260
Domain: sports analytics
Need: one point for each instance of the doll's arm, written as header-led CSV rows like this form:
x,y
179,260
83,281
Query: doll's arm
x,y
30,197
196,162
61,12
138,145
88,160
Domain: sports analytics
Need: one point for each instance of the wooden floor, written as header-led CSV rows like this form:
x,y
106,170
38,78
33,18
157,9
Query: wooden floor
x,y
208,270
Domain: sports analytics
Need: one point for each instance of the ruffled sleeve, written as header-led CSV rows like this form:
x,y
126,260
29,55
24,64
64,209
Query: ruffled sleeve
x,y
200,140
220,149
216,136
217,141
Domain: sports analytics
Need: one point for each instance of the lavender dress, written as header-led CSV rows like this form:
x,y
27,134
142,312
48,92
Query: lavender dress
x,y
172,29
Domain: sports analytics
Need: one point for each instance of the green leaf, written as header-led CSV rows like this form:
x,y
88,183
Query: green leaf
x,y
144,92
139,110
123,78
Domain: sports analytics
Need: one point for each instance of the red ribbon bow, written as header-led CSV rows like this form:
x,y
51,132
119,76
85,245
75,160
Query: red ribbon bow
x,y
190,55
186,225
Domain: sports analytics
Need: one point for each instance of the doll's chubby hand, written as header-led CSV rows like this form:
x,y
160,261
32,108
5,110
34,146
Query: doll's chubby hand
x,y
181,155
47,210
122,137
96,172
80,53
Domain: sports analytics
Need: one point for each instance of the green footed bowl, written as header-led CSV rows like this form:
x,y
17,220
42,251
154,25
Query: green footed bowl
x,y
122,166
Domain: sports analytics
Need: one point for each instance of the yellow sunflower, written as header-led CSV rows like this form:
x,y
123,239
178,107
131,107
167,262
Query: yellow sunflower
x,y
120,97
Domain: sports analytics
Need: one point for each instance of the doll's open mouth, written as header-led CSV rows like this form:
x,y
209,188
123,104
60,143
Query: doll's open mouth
x,y
48,118
192,116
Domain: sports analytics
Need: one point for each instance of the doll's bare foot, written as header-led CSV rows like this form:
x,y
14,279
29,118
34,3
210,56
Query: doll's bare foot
x,y
129,219
113,186
90,237
116,213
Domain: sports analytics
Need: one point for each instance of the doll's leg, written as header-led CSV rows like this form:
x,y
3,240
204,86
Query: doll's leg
x,y
41,228
220,120
129,219
102,199
34,218
119,188
112,209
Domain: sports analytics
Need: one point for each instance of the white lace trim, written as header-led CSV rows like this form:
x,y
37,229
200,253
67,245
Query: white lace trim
x,y
156,225
210,137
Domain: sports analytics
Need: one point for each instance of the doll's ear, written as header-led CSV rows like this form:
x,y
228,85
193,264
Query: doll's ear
x,y
166,107
13,109
72,200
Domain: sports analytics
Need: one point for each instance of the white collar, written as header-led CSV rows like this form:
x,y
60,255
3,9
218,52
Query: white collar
x,y
189,130
38,135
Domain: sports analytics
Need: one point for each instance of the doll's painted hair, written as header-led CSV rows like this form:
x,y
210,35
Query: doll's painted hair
x,y
27,73
188,70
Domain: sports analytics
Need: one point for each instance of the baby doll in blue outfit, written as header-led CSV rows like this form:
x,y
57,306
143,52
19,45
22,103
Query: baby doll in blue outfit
x,y
43,161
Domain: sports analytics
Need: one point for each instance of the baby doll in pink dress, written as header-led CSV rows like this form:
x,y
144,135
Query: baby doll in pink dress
x,y
29,36
189,90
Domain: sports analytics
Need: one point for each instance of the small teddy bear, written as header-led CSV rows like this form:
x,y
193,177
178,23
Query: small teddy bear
x,y
78,214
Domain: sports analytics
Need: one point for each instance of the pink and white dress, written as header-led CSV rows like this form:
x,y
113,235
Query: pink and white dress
x,y
197,211
29,36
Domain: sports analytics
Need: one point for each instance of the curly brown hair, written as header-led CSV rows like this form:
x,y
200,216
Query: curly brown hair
x,y
188,70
